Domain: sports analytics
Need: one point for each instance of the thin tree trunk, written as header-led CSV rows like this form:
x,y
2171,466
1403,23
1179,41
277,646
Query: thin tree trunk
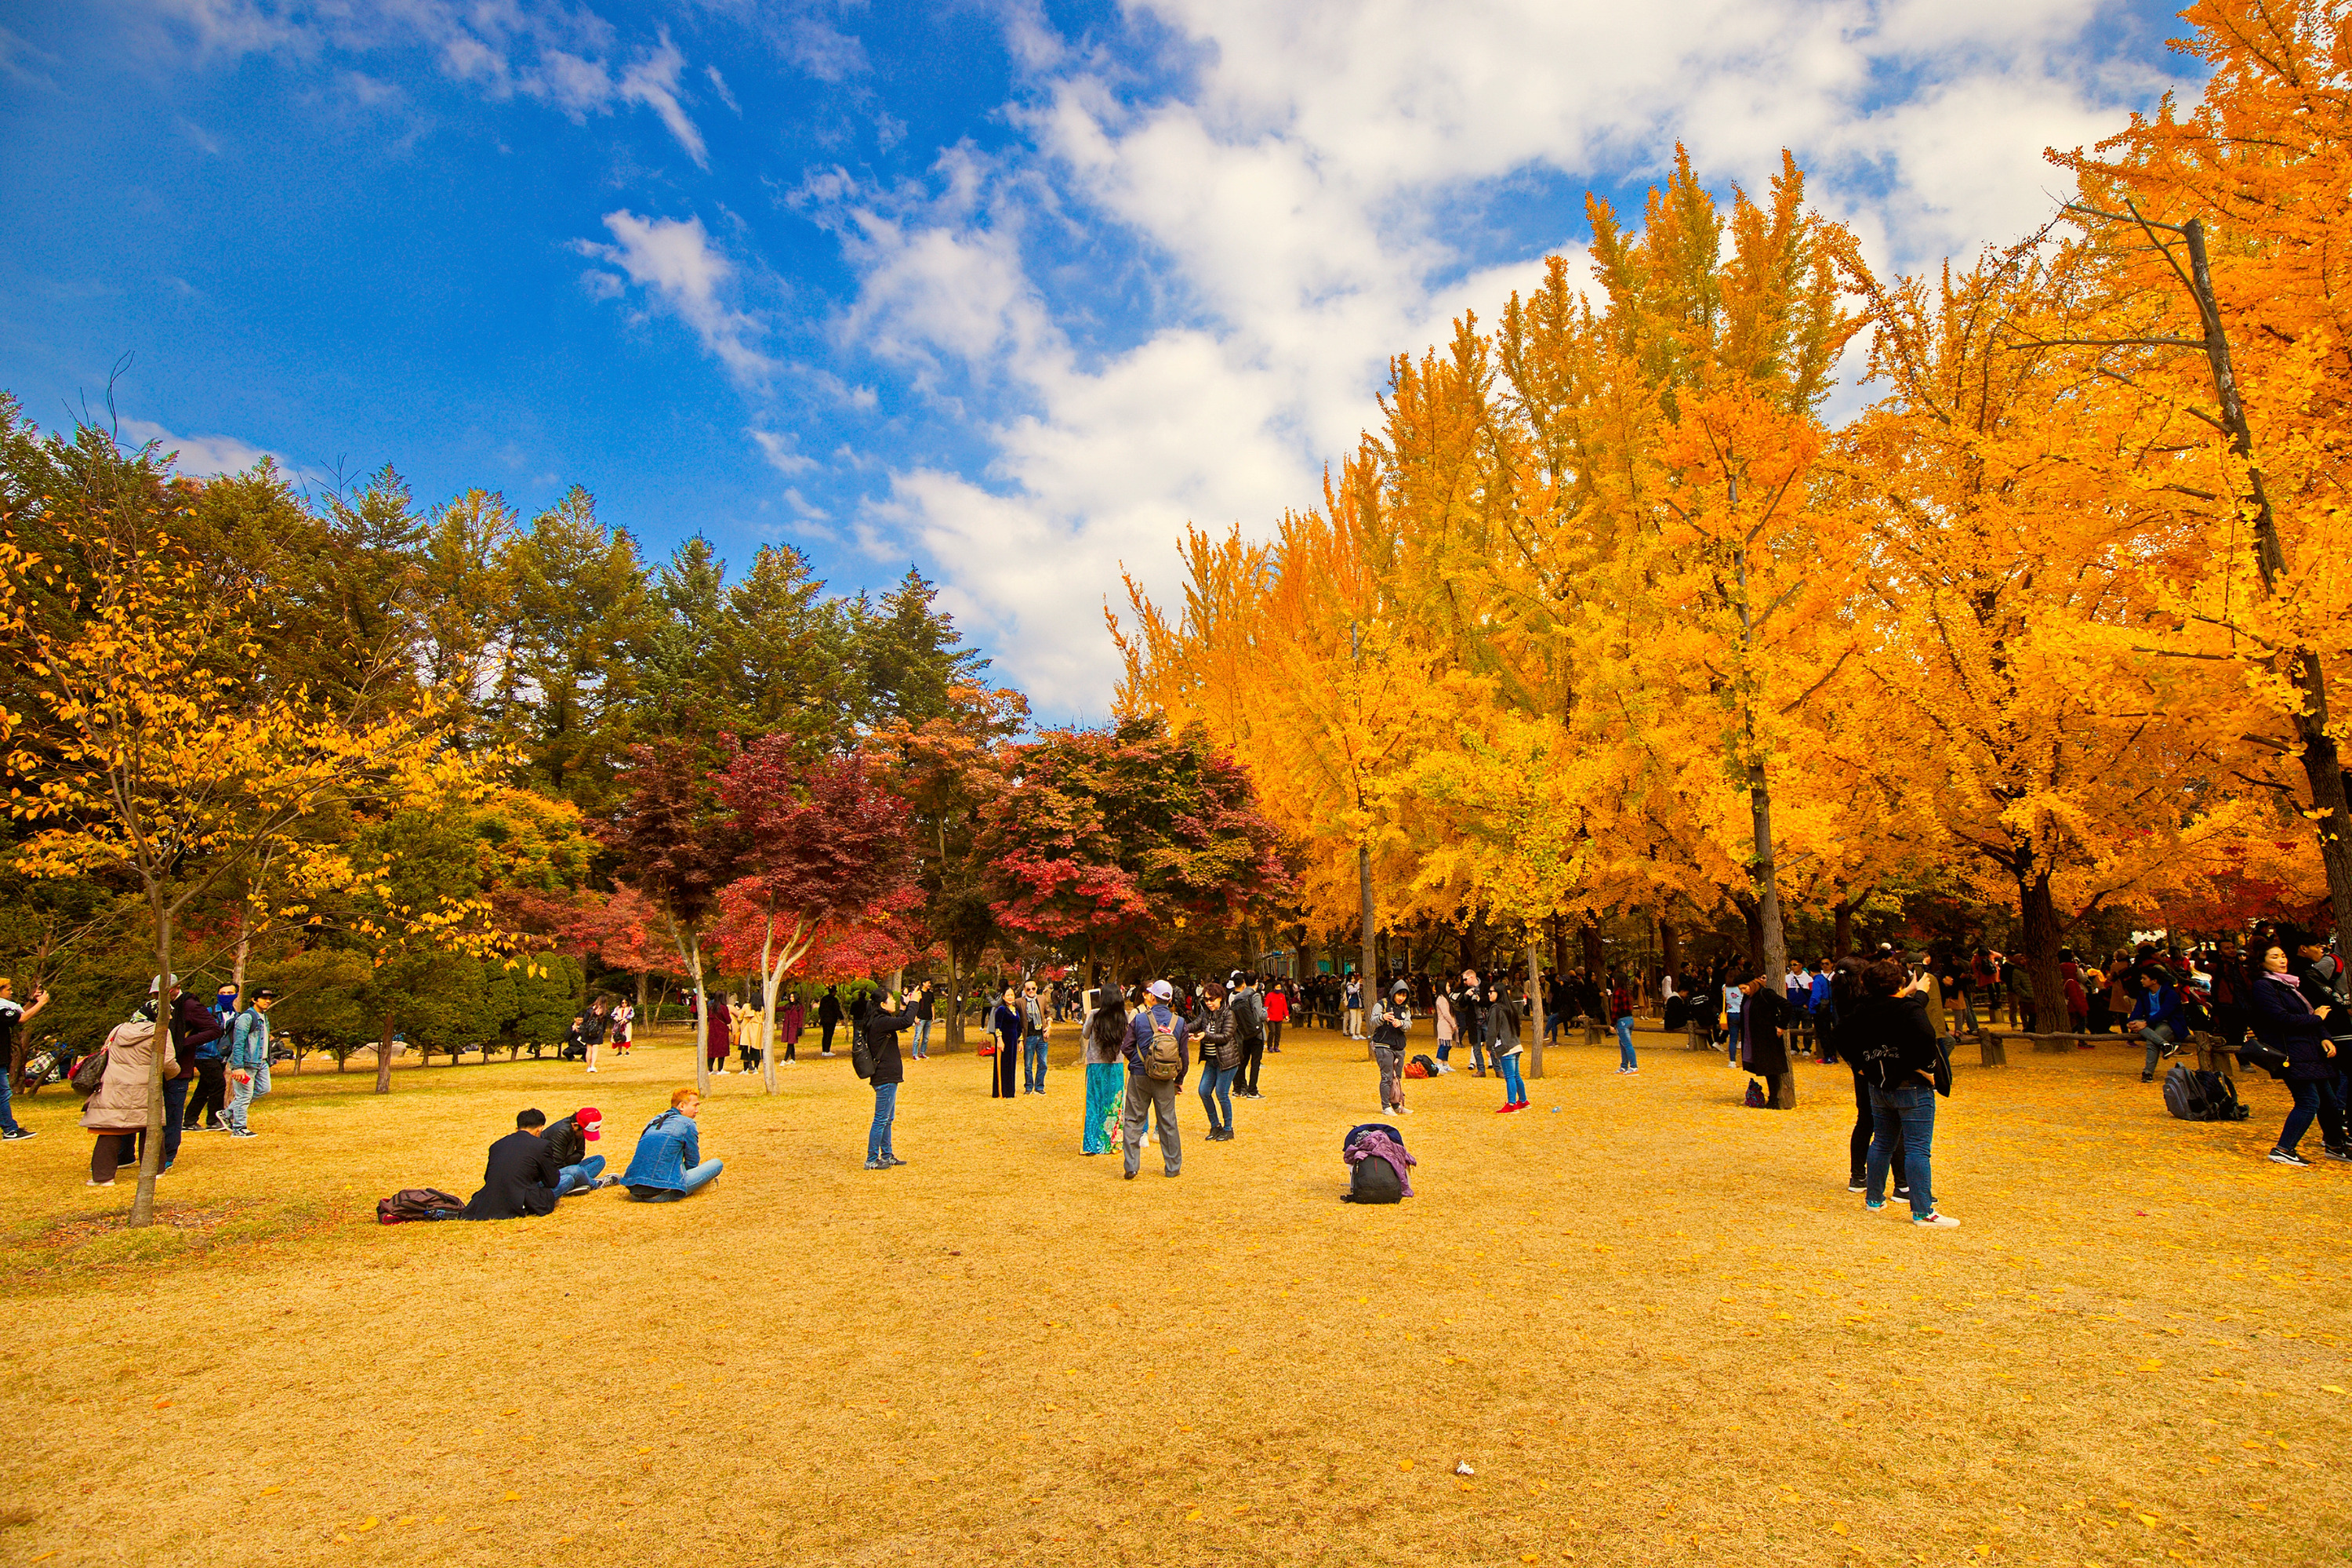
x,y
955,1000
1534,1006
1669,945
702,1018
142,1203
1367,978
2323,763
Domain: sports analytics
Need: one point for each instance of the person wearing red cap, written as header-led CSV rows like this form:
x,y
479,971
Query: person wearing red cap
x,y
568,1140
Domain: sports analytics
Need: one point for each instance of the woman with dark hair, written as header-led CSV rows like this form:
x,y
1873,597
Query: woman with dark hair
x,y
1761,1051
1105,1034
2284,1017
1890,1035
1221,1054
1846,995
723,1008
1004,1023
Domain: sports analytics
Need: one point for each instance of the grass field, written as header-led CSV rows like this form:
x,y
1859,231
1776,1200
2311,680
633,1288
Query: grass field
x,y
1650,1322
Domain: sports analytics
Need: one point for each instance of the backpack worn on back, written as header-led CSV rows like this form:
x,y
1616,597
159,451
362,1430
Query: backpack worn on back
x,y
861,1053
418,1202
1165,1058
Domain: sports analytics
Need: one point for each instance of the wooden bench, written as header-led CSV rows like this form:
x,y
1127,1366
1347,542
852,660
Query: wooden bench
x,y
1991,1041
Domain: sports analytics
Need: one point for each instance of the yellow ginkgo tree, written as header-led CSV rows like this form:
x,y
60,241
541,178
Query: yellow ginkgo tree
x,y
148,748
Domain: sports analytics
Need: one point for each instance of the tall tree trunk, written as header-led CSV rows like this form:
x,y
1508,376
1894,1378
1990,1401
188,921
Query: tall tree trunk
x,y
769,982
702,1018
955,1000
1558,945
2042,942
2323,763
1591,938
1843,945
1670,946
142,1201
1534,1006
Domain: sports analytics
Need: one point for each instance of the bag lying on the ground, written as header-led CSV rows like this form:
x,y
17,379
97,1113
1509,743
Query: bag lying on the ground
x,y
418,1202
1376,1155
1428,1068
2195,1096
1757,1097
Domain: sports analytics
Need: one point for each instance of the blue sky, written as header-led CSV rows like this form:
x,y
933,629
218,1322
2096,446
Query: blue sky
x,y
1008,290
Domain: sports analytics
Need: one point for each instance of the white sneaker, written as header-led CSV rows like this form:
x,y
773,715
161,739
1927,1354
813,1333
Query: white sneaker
x,y
98,1183
592,1070
1941,1221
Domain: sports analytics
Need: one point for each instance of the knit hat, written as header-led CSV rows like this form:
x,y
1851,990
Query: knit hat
x,y
585,1118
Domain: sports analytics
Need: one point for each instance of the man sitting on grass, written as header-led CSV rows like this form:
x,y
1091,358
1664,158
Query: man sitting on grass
x,y
570,1138
669,1164
521,1176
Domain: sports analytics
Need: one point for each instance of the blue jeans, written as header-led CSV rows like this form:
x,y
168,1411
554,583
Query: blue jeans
x,y
580,1177
1515,1089
1625,1042
1217,1081
1032,1064
1913,1112
922,1036
8,1094
241,1095
175,1116
690,1182
1731,1033
886,1112
2298,1120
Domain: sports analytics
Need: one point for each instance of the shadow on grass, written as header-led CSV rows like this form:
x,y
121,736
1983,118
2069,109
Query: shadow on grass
x,y
71,1252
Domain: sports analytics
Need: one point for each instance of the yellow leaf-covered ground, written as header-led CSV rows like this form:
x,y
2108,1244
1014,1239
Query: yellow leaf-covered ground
x,y
1652,1323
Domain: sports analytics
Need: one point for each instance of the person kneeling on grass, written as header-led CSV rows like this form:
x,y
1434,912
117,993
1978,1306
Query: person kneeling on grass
x,y
521,1176
669,1164
1889,1036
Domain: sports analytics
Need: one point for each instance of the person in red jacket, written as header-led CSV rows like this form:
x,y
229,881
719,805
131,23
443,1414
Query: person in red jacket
x,y
1278,1013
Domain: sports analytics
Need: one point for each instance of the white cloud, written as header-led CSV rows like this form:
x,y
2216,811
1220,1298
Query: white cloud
x,y
202,457
783,452
1299,205
558,54
676,266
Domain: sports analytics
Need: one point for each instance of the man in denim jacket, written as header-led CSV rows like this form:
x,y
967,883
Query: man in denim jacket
x,y
248,1060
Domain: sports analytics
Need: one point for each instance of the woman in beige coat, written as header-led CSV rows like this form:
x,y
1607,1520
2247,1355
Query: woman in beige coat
x,y
118,1112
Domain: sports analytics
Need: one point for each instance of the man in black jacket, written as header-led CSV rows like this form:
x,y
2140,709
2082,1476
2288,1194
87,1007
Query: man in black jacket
x,y
521,1176
569,1139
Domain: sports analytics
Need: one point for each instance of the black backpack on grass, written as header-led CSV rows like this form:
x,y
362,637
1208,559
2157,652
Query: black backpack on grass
x,y
2195,1096
1373,1180
418,1202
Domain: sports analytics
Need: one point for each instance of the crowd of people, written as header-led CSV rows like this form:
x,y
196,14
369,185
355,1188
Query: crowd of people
x,y
2279,1000
215,1063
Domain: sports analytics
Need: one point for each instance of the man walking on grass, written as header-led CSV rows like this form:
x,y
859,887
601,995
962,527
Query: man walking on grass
x,y
1156,1059
248,1060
